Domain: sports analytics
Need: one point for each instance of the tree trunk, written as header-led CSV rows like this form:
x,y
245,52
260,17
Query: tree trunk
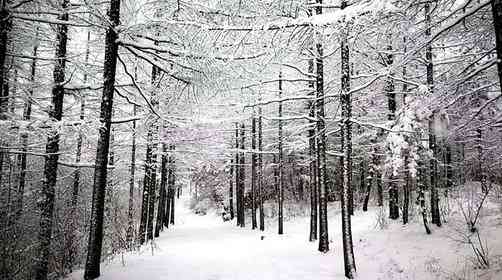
x,y
5,25
432,138
130,209
497,23
237,176
449,168
173,184
253,173
92,266
436,219
280,199
421,195
407,187
391,102
260,169
152,141
231,190
170,182
371,173
146,192
52,149
346,105
321,144
311,106
242,178
164,194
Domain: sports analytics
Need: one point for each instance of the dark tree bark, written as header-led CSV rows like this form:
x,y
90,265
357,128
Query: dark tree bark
x,y
407,187
480,177
163,192
5,26
260,169
170,187
435,216
152,141
237,176
130,209
432,138
41,263
449,167
346,129
497,23
254,159
371,173
391,103
280,198
146,193
321,145
92,266
311,106
421,195
242,177
231,190
173,184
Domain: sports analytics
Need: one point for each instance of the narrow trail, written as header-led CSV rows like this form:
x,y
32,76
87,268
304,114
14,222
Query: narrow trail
x,y
206,248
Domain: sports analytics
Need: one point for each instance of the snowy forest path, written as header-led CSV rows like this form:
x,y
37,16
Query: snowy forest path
x,y
206,248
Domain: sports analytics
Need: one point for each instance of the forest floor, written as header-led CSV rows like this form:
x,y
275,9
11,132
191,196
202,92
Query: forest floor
x,y
206,248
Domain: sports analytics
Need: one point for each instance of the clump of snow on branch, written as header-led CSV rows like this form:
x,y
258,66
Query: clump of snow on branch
x,y
401,141
365,8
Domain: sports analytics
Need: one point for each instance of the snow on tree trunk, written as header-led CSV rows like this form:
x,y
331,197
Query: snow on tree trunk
x,y
5,26
253,173
242,177
371,172
132,170
421,195
280,199
346,132
311,107
497,23
231,190
391,103
321,143
163,193
92,266
237,175
52,149
173,184
432,138
152,142
260,169
435,215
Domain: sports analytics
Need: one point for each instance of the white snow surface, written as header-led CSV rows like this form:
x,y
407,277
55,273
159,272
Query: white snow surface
x,y
206,248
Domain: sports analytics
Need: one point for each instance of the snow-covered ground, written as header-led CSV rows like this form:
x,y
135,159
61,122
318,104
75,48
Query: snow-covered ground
x,y
206,248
